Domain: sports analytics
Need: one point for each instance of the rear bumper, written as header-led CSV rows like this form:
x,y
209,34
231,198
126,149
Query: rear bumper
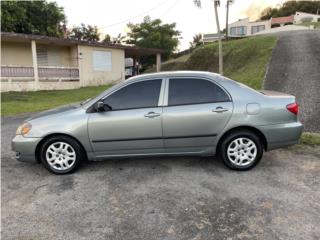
x,y
25,148
282,135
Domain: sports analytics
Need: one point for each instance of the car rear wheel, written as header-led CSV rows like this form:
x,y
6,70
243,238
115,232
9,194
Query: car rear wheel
x,y
61,154
241,150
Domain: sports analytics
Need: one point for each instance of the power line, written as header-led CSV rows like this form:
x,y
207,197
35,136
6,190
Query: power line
x,y
169,9
139,15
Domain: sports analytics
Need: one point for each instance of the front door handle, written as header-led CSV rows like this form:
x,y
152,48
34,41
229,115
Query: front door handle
x,y
220,110
152,115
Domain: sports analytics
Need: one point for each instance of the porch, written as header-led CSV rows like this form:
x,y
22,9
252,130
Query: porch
x,y
32,66
35,62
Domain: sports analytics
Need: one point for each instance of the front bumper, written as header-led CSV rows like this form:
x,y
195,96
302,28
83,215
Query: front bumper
x,y
25,148
282,135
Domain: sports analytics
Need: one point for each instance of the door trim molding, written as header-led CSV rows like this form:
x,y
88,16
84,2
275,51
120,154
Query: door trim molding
x,y
154,138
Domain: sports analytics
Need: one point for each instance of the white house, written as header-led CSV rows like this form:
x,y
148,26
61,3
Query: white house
x,y
301,17
243,27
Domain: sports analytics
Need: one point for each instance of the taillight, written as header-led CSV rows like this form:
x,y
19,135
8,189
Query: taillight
x,y
293,107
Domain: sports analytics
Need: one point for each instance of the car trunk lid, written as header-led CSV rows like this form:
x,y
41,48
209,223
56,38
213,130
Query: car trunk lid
x,y
276,94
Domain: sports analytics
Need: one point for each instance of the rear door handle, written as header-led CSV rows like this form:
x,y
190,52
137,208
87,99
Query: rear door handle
x,y
152,115
220,110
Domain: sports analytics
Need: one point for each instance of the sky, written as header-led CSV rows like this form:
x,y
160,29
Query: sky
x,y
112,17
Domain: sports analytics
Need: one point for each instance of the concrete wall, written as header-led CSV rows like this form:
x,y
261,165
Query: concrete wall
x,y
89,77
283,29
16,54
29,85
73,54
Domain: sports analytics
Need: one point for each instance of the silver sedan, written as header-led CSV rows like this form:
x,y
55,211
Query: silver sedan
x,y
163,114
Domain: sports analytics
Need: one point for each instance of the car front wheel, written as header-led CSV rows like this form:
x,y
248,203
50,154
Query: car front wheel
x,y
61,154
241,150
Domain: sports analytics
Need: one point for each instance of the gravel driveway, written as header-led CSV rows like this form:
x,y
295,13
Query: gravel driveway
x,y
295,68
162,198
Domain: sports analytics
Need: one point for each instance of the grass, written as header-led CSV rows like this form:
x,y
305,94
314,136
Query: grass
x,y
312,139
13,103
245,60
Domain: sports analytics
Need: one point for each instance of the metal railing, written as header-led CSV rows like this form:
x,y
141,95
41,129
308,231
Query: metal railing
x,y
14,72
45,72
58,72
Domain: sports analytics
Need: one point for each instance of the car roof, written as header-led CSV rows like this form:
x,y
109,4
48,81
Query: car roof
x,y
175,74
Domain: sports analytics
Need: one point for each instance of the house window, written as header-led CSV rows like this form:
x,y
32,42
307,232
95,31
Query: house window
x,y
102,61
239,31
47,57
258,28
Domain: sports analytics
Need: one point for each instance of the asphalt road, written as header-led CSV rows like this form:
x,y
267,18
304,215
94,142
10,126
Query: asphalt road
x,y
295,69
162,198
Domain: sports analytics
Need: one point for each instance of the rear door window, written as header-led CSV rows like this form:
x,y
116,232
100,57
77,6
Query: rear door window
x,y
184,91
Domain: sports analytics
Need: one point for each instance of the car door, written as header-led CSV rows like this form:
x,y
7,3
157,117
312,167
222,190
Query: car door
x,y
133,126
197,111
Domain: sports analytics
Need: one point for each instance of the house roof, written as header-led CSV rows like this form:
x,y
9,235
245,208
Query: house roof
x,y
130,51
288,19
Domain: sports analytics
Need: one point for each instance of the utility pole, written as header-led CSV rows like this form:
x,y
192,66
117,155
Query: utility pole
x,y
216,4
227,19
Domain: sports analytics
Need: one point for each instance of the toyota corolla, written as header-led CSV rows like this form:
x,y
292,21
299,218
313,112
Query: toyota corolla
x,y
163,114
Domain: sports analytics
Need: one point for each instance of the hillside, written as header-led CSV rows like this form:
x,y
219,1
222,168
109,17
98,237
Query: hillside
x,y
245,60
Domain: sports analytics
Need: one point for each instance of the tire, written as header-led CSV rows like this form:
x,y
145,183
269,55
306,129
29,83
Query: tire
x,y
241,150
61,154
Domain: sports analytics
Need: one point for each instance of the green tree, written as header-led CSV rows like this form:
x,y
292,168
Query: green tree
x,y
289,8
118,39
268,13
84,33
32,17
107,39
154,34
196,41
113,40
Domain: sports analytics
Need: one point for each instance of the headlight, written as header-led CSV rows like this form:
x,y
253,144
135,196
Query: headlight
x,y
24,129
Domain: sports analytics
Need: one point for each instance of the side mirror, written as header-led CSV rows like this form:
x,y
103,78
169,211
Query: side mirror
x,y
100,106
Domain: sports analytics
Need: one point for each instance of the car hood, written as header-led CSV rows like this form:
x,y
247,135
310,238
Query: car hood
x,y
55,111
